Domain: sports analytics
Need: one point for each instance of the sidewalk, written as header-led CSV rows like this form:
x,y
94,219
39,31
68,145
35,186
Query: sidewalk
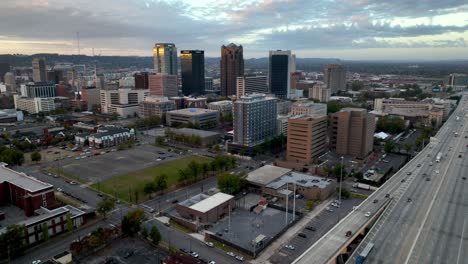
x,y
264,257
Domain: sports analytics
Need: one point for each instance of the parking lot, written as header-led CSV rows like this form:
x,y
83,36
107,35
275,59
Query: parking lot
x,y
245,226
114,163
127,250
320,225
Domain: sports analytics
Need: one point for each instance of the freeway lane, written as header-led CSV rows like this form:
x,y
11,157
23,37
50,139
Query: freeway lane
x,y
404,220
430,229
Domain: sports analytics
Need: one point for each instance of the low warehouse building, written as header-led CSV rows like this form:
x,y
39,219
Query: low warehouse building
x,y
273,180
206,209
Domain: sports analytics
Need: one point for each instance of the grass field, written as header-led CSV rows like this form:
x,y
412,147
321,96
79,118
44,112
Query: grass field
x,y
124,186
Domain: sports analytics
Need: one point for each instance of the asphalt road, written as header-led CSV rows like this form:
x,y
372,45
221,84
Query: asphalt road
x,y
428,228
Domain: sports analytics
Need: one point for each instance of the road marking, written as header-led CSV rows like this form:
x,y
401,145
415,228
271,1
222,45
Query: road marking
x,y
461,242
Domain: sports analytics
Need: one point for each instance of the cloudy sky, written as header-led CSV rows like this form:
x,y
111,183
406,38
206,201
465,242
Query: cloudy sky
x,y
346,29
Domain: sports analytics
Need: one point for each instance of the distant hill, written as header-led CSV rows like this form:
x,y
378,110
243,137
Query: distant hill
x,y
427,68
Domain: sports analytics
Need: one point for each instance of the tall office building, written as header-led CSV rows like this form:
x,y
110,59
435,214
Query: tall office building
x,y
40,89
282,65
39,70
352,132
4,68
192,64
162,84
141,80
254,119
319,92
307,138
335,78
10,82
165,58
232,66
250,84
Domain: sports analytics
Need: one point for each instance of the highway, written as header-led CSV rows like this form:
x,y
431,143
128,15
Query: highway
x,y
421,220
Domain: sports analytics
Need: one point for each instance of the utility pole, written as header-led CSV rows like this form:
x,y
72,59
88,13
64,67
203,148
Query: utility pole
x,y
287,202
294,202
341,180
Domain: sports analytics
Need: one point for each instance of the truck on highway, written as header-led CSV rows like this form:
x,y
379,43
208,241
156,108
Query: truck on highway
x,y
439,157
364,253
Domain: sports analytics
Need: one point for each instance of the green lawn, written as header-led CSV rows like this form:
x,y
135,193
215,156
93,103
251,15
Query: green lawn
x,y
122,186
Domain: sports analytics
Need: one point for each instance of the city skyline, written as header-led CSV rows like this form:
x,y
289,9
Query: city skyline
x,y
365,29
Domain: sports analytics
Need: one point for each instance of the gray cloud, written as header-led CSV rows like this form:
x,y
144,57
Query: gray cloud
x,y
120,25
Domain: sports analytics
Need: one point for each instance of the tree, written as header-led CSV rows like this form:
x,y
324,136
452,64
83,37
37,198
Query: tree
x,y
345,193
131,223
70,225
149,188
194,169
45,232
144,232
159,141
357,85
310,204
337,170
183,175
12,241
390,124
205,167
105,206
408,147
389,146
36,156
160,182
155,235
229,183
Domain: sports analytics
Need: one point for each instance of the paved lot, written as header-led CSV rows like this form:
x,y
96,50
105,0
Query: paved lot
x,y
103,167
322,223
141,253
245,226
13,215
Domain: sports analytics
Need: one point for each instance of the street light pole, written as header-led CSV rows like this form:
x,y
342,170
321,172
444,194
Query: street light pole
x,y
341,179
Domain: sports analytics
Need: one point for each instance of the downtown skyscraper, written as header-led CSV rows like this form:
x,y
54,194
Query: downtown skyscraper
x,y
335,78
282,64
192,64
39,70
165,58
232,66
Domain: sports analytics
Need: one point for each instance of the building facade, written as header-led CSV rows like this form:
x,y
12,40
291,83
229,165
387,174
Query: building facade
x,y
320,92
203,118
34,105
335,78
10,82
110,136
40,89
165,58
192,64
39,70
308,108
307,138
155,106
123,102
246,85
232,66
281,65
162,84
254,119
141,80
352,132
224,107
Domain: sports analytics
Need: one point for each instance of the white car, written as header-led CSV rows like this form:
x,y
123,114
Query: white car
x,y
231,254
291,247
335,205
194,254
210,244
240,258
437,171
36,261
212,262
59,190
73,183
368,214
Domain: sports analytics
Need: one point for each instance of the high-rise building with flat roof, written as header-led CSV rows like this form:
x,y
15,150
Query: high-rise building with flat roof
x,y
319,92
352,132
4,68
165,58
40,89
10,82
141,80
250,84
281,65
232,66
39,70
162,84
335,78
254,119
307,138
155,106
192,64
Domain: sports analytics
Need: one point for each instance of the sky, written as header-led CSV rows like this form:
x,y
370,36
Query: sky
x,y
345,29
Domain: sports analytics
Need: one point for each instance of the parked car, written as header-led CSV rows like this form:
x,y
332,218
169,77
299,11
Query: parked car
x,y
194,254
231,254
368,214
310,228
240,258
302,235
291,247
348,233
210,244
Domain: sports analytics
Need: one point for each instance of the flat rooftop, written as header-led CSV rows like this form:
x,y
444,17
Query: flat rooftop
x,y
21,180
301,179
266,174
204,203
193,111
